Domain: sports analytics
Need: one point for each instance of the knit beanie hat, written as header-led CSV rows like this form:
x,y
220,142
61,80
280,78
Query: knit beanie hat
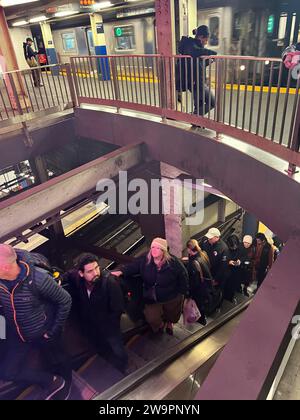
x,y
161,243
248,239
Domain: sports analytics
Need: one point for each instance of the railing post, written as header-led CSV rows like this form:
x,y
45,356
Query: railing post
x,y
15,94
73,68
114,71
219,94
295,144
71,85
163,89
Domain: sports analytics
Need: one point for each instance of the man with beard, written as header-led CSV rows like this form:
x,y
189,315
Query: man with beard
x,y
99,303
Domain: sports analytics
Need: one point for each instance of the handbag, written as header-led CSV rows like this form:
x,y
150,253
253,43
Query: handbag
x,y
191,313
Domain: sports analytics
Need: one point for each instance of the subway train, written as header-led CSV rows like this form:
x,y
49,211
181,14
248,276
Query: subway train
x,y
259,31
132,36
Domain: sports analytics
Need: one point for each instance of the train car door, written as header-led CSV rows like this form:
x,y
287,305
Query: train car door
x,y
219,21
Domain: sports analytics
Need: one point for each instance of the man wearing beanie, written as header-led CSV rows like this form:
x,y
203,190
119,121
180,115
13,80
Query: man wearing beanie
x,y
165,284
246,257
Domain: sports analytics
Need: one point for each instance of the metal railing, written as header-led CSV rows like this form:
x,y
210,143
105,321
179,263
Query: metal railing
x,y
26,94
252,99
255,100
130,81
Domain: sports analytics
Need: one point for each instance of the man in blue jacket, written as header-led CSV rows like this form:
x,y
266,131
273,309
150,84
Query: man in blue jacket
x,y
35,309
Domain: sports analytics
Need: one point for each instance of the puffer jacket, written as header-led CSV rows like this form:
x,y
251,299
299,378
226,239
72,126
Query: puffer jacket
x,y
34,309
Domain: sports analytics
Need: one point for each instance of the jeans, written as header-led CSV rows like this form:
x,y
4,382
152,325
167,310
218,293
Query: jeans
x,y
112,348
200,107
15,367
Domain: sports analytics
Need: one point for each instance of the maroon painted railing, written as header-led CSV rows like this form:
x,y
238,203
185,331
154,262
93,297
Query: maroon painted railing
x,y
256,99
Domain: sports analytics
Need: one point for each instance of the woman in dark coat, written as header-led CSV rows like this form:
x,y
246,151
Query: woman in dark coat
x,y
165,284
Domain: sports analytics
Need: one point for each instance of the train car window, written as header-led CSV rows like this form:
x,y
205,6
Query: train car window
x,y
293,28
282,26
214,29
124,38
69,42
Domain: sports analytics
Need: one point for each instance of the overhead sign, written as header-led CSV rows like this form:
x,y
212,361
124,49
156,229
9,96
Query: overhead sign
x,y
271,23
135,12
123,31
99,28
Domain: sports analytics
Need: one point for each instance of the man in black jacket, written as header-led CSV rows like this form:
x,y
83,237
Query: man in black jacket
x,y
204,99
35,309
218,254
30,57
99,303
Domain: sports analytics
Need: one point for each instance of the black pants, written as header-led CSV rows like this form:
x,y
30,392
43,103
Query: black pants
x,y
200,296
202,108
260,276
232,284
14,367
112,348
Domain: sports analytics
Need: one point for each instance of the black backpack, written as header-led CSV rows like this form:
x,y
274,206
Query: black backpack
x,y
40,261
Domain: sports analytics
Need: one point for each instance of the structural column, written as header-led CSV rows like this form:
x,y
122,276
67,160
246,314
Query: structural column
x,y
164,13
100,44
166,222
49,44
7,48
8,62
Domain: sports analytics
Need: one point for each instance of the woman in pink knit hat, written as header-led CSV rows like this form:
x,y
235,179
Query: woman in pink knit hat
x,y
165,284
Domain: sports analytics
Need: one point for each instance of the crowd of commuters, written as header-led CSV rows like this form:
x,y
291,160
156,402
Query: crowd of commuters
x,y
36,308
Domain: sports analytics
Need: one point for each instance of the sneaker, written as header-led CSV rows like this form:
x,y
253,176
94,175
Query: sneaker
x,y
56,386
246,293
202,321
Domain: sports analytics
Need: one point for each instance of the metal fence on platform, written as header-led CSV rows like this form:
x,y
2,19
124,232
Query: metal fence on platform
x,y
252,99
255,100
26,94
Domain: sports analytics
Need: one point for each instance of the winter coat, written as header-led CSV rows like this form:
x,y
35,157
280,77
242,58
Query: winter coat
x,y
168,282
36,305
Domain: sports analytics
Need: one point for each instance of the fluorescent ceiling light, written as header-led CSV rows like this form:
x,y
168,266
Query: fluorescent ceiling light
x,y
103,5
64,13
20,23
7,3
38,19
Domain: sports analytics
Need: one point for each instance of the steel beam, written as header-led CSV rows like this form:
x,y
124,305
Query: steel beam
x,y
41,202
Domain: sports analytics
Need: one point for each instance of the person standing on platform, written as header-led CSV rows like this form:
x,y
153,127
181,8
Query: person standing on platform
x,y
30,57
